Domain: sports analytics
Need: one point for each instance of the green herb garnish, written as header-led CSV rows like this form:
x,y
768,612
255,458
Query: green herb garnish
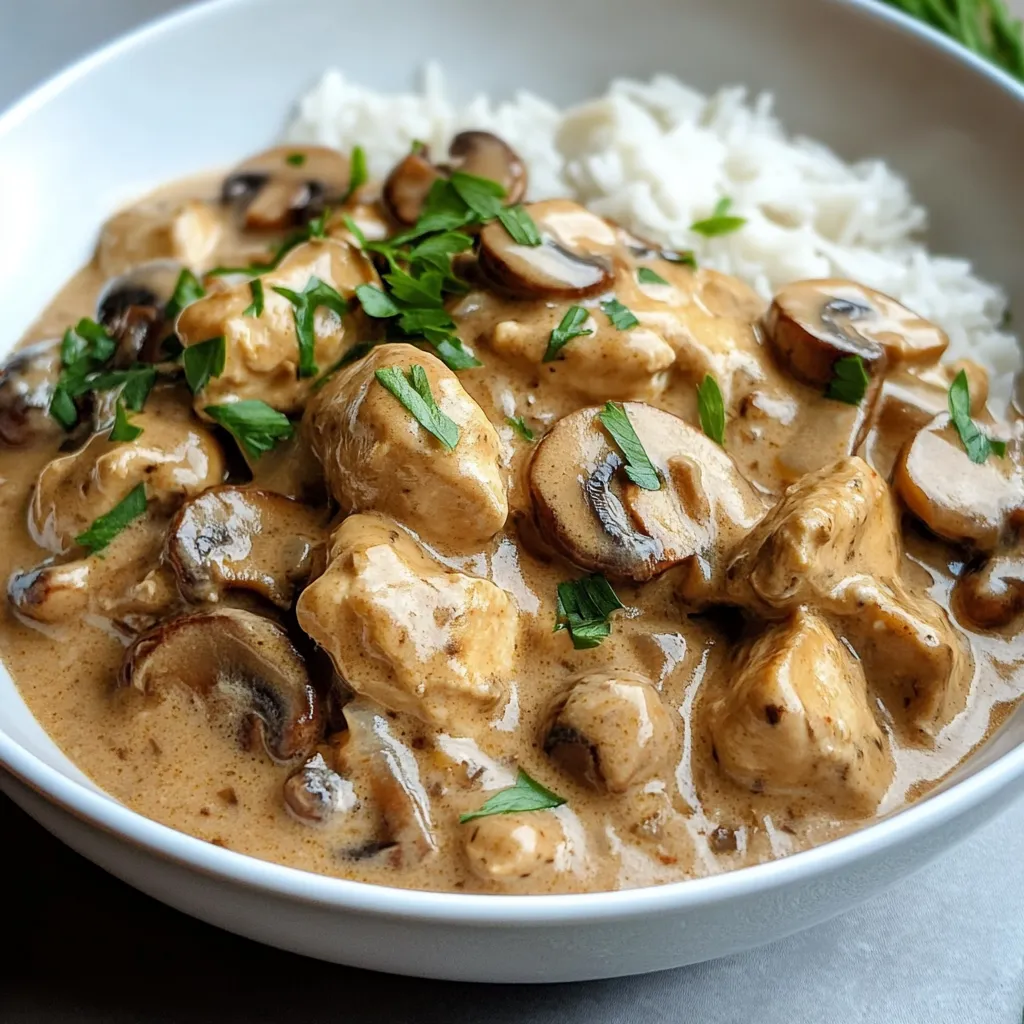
x,y
976,442
526,795
520,225
83,351
584,608
639,467
711,409
204,361
187,290
305,304
720,222
254,424
414,393
376,302
647,276
849,382
295,159
135,383
570,326
255,308
482,195
108,526
518,424
621,317
124,429
358,174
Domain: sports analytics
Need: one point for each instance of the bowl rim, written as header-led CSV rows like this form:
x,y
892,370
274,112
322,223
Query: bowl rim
x,y
98,809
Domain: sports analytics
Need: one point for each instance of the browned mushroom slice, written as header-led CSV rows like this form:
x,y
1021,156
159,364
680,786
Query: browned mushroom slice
x,y
131,308
991,595
27,381
575,258
315,792
246,669
244,538
407,186
286,185
590,511
610,732
372,752
814,324
961,500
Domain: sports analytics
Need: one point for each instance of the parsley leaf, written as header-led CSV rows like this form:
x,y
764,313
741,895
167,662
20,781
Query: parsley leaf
x,y
83,351
254,424
571,326
204,361
436,249
520,225
639,467
720,222
849,381
358,174
108,526
977,444
376,302
187,290
450,350
124,429
482,195
414,393
255,308
518,424
584,608
621,317
647,276
305,304
63,409
526,795
135,383
711,409
295,159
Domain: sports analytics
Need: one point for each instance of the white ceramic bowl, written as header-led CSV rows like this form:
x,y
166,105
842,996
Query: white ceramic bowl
x,y
214,83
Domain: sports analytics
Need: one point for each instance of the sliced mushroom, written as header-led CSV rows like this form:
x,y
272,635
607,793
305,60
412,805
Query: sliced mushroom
x,y
610,732
474,152
286,186
511,848
813,324
963,501
131,308
991,595
246,669
576,256
27,382
588,509
374,755
243,538
315,792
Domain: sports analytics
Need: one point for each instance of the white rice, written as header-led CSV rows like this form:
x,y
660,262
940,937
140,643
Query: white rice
x,y
658,156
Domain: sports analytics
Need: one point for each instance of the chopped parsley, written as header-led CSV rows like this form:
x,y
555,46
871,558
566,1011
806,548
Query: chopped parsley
x,y
621,317
647,276
187,290
849,382
520,225
124,429
571,326
720,222
976,442
358,174
295,159
254,424
518,424
525,795
108,526
204,361
584,609
414,393
304,305
711,409
255,308
639,467
482,195
84,349
135,383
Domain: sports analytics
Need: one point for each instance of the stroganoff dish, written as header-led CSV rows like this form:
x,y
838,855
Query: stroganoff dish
x,y
409,532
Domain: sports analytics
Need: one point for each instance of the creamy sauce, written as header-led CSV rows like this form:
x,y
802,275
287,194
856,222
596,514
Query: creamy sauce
x,y
176,757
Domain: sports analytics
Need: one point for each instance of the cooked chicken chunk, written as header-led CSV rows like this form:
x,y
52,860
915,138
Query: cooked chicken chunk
x,y
174,456
408,632
263,358
377,457
185,231
515,848
795,719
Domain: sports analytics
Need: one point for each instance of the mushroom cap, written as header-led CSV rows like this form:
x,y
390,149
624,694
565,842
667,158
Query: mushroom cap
x,y
596,517
131,309
233,537
991,595
244,666
611,732
961,500
315,792
813,324
275,189
27,381
576,256
488,156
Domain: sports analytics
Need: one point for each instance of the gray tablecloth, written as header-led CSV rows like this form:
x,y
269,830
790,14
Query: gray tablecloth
x,y
946,947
